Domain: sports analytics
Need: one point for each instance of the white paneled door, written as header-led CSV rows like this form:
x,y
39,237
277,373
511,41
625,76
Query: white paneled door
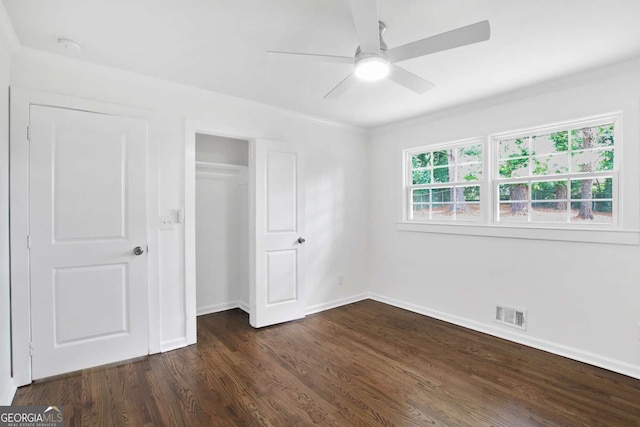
x,y
88,239
278,291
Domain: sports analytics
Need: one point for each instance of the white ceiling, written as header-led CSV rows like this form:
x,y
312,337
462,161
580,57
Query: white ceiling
x,y
221,45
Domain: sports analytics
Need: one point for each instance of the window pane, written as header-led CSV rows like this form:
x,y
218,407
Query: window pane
x,y
469,154
513,212
549,190
518,195
597,136
421,176
592,211
550,143
421,160
603,188
441,158
442,211
469,172
420,211
468,211
441,174
420,205
551,164
468,194
514,168
517,191
421,196
513,148
592,160
603,209
442,195
596,188
551,211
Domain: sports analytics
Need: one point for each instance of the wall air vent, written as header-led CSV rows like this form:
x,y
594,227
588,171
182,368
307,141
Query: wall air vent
x,y
514,317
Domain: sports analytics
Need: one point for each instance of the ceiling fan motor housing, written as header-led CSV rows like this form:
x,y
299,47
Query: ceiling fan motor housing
x,y
383,46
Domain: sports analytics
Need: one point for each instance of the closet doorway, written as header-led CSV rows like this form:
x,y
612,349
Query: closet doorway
x,y
256,259
222,223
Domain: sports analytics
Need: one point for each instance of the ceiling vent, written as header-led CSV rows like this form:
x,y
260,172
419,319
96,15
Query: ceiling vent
x,y
514,317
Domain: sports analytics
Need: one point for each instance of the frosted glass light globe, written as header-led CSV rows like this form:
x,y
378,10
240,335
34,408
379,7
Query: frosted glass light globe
x,y
372,68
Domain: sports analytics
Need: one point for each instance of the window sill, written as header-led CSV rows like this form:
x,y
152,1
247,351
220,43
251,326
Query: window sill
x,y
614,237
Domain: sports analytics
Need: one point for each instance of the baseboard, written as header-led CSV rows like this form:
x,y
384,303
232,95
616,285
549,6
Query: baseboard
x,y
216,308
336,303
561,350
6,398
243,306
173,344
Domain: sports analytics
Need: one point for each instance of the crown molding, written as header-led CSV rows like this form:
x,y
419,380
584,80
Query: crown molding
x,y
35,55
576,79
8,37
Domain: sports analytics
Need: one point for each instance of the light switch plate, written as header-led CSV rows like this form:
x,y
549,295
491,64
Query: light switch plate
x,y
166,223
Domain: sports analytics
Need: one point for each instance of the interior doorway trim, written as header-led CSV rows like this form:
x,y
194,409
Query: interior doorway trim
x,y
21,100
193,127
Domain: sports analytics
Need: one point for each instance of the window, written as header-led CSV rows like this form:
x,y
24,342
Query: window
x,y
557,175
562,175
444,182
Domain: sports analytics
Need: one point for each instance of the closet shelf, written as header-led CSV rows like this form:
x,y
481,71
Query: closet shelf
x,y
219,166
221,171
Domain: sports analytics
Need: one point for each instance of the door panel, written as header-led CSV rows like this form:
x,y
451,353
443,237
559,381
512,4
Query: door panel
x,y
103,291
277,294
282,277
102,166
87,196
281,191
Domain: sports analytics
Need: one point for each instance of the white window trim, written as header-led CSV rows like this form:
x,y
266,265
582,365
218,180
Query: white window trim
x,y
592,235
487,226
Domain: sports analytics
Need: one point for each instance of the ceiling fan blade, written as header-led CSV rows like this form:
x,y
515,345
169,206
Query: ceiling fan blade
x,y
463,36
313,56
342,87
409,80
365,18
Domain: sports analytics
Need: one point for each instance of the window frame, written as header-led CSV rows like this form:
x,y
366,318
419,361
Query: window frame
x,y
408,185
569,126
489,190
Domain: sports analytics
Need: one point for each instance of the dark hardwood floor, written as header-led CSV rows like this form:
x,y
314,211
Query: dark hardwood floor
x,y
365,364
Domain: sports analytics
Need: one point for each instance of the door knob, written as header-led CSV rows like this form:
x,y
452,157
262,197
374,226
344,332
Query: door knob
x,y
138,250
301,240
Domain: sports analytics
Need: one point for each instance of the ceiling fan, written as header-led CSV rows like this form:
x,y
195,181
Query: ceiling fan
x,y
374,61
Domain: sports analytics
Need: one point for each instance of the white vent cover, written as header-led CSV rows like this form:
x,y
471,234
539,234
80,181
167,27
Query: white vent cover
x,y
510,316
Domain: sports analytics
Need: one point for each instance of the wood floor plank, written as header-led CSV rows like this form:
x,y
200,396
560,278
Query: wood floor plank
x,y
365,364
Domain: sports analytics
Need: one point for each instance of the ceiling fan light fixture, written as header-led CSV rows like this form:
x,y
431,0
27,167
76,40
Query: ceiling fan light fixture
x,y
372,68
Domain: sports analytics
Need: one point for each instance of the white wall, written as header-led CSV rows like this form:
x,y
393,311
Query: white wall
x,y
6,382
583,299
222,223
336,181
